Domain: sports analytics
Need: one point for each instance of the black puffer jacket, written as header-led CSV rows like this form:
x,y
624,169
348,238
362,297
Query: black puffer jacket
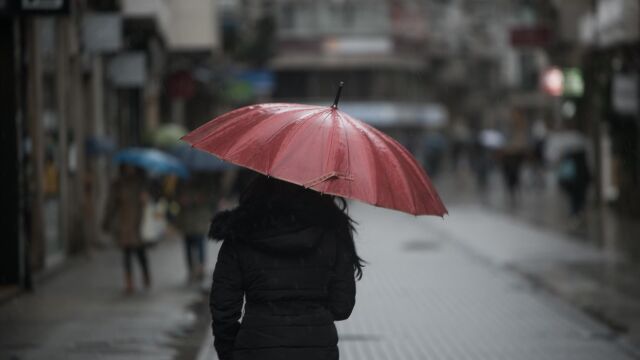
x,y
296,278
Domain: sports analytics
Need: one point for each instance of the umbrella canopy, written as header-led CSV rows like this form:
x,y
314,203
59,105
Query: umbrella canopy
x,y
168,135
198,160
563,142
154,161
323,149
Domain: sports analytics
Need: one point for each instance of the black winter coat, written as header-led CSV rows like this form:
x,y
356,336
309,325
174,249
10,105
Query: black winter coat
x,y
296,281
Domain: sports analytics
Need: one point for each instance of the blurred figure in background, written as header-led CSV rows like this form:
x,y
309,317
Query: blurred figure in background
x,y
513,154
574,178
460,139
194,216
122,219
538,138
486,144
511,165
435,146
568,149
480,158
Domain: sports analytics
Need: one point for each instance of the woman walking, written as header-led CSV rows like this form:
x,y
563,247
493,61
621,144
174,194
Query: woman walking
x,y
290,252
123,217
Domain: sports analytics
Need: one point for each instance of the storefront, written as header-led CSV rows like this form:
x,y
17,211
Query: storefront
x,y
611,34
35,143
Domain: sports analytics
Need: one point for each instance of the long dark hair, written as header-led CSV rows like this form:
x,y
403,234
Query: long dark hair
x,y
282,204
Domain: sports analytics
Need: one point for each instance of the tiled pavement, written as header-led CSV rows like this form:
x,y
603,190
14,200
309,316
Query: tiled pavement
x,y
430,293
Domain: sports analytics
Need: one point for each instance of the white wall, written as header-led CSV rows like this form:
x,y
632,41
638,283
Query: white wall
x,y
308,19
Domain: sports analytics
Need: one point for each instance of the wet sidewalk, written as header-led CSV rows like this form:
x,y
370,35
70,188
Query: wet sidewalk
x,y
458,288
430,292
82,313
605,285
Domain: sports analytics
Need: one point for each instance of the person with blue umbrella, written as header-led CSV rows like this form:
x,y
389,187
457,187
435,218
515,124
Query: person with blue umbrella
x,y
154,161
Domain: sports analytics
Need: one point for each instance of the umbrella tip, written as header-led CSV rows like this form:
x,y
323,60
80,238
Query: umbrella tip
x,y
337,99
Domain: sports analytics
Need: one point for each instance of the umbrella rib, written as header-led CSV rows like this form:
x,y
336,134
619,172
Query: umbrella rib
x,y
228,121
296,129
265,121
330,147
218,128
392,146
276,134
399,153
346,137
374,159
414,167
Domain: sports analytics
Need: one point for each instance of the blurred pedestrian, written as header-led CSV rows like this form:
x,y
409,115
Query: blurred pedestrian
x,y
122,219
290,252
435,145
539,137
574,178
486,144
511,165
196,210
480,159
460,140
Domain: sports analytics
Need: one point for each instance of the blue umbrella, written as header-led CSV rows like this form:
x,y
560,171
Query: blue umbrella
x,y
154,161
197,160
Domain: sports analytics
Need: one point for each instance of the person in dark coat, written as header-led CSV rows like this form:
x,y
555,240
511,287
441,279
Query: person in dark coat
x,y
289,252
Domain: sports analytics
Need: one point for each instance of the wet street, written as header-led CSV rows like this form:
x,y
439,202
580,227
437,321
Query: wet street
x,y
478,284
81,312
130,124
436,289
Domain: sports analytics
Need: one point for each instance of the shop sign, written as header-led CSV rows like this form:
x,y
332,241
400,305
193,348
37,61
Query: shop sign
x,y
624,93
181,85
34,7
261,81
357,45
613,22
617,21
44,6
553,81
535,36
128,69
102,32
245,85
573,83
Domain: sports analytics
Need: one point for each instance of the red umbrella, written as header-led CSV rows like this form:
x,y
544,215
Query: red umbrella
x,y
324,149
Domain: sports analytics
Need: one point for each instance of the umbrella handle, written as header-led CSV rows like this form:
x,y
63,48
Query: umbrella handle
x,y
335,101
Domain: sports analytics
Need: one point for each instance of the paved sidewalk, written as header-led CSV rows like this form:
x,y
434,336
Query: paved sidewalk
x,y
593,264
428,294
82,313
